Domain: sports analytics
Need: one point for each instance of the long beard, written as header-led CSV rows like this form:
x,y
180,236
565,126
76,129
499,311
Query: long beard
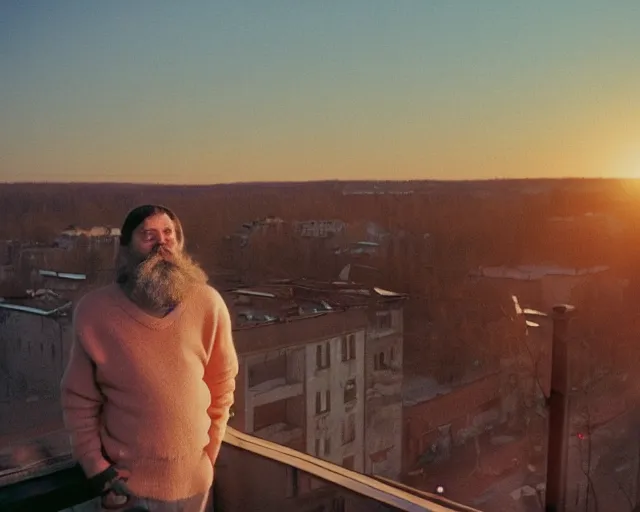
x,y
162,280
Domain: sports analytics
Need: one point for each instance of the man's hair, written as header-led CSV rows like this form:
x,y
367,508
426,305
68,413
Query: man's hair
x,y
138,215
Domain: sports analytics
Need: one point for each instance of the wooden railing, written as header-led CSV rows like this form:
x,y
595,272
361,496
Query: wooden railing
x,y
251,474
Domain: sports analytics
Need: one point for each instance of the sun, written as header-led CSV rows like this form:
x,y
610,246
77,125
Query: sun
x,y
628,161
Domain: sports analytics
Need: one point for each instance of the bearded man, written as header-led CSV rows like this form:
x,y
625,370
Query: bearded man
x,y
151,376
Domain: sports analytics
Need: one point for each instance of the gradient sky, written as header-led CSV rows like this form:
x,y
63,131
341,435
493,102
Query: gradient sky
x,y
215,91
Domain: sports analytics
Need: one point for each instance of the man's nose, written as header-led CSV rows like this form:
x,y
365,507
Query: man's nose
x,y
158,245
164,242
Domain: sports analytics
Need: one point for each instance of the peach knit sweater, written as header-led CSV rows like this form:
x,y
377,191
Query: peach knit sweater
x,y
150,395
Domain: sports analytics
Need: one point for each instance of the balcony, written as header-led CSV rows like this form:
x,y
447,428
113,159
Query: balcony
x,y
274,390
252,474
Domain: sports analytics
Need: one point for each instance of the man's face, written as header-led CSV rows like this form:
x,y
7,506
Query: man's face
x,y
158,273
157,232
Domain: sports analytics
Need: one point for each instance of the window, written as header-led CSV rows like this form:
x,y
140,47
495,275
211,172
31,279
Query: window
x,y
348,346
327,446
379,361
350,391
323,356
349,429
323,401
384,320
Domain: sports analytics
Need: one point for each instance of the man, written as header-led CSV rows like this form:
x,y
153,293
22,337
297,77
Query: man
x,y
151,375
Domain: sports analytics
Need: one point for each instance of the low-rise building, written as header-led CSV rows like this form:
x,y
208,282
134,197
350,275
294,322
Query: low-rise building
x,y
35,330
320,228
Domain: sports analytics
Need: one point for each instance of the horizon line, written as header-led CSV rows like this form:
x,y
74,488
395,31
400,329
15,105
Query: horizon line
x,y
325,181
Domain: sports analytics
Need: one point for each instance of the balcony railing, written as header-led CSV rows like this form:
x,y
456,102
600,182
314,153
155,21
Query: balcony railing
x,y
273,390
251,475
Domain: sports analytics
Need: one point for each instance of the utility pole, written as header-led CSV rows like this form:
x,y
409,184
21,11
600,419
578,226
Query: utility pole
x,y
557,448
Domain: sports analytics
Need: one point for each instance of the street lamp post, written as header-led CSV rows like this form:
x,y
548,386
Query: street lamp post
x,y
558,437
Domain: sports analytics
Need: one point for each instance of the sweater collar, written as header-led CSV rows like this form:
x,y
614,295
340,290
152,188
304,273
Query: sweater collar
x,y
141,316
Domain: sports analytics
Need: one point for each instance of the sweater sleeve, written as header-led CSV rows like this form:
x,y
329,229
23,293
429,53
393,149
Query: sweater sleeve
x,y
220,377
81,407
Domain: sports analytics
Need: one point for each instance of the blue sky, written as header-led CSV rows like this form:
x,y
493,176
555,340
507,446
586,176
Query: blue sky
x,y
222,91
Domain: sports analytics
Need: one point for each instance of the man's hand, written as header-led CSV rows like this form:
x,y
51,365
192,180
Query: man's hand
x,y
117,493
113,489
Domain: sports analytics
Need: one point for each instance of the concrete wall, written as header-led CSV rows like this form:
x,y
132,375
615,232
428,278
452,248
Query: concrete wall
x,y
297,332
246,482
383,381
383,412
34,351
328,426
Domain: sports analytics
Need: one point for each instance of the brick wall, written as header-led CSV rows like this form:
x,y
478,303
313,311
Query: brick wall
x,y
462,408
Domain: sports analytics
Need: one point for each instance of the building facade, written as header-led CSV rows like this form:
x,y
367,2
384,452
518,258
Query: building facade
x,y
36,340
335,398
304,387
383,383
326,382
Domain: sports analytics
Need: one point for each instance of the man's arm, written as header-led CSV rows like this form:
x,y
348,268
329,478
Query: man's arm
x,y
220,376
81,407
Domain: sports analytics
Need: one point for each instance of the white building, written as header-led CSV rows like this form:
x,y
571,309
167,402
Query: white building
x,y
328,383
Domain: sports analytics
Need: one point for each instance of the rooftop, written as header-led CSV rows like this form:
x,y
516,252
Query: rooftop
x,y
96,231
63,275
38,302
534,272
287,299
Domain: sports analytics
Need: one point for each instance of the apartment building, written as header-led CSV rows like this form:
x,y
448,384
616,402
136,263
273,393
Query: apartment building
x,y
295,389
35,330
321,371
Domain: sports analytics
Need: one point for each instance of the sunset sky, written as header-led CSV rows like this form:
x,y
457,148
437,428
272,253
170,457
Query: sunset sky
x,y
215,91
